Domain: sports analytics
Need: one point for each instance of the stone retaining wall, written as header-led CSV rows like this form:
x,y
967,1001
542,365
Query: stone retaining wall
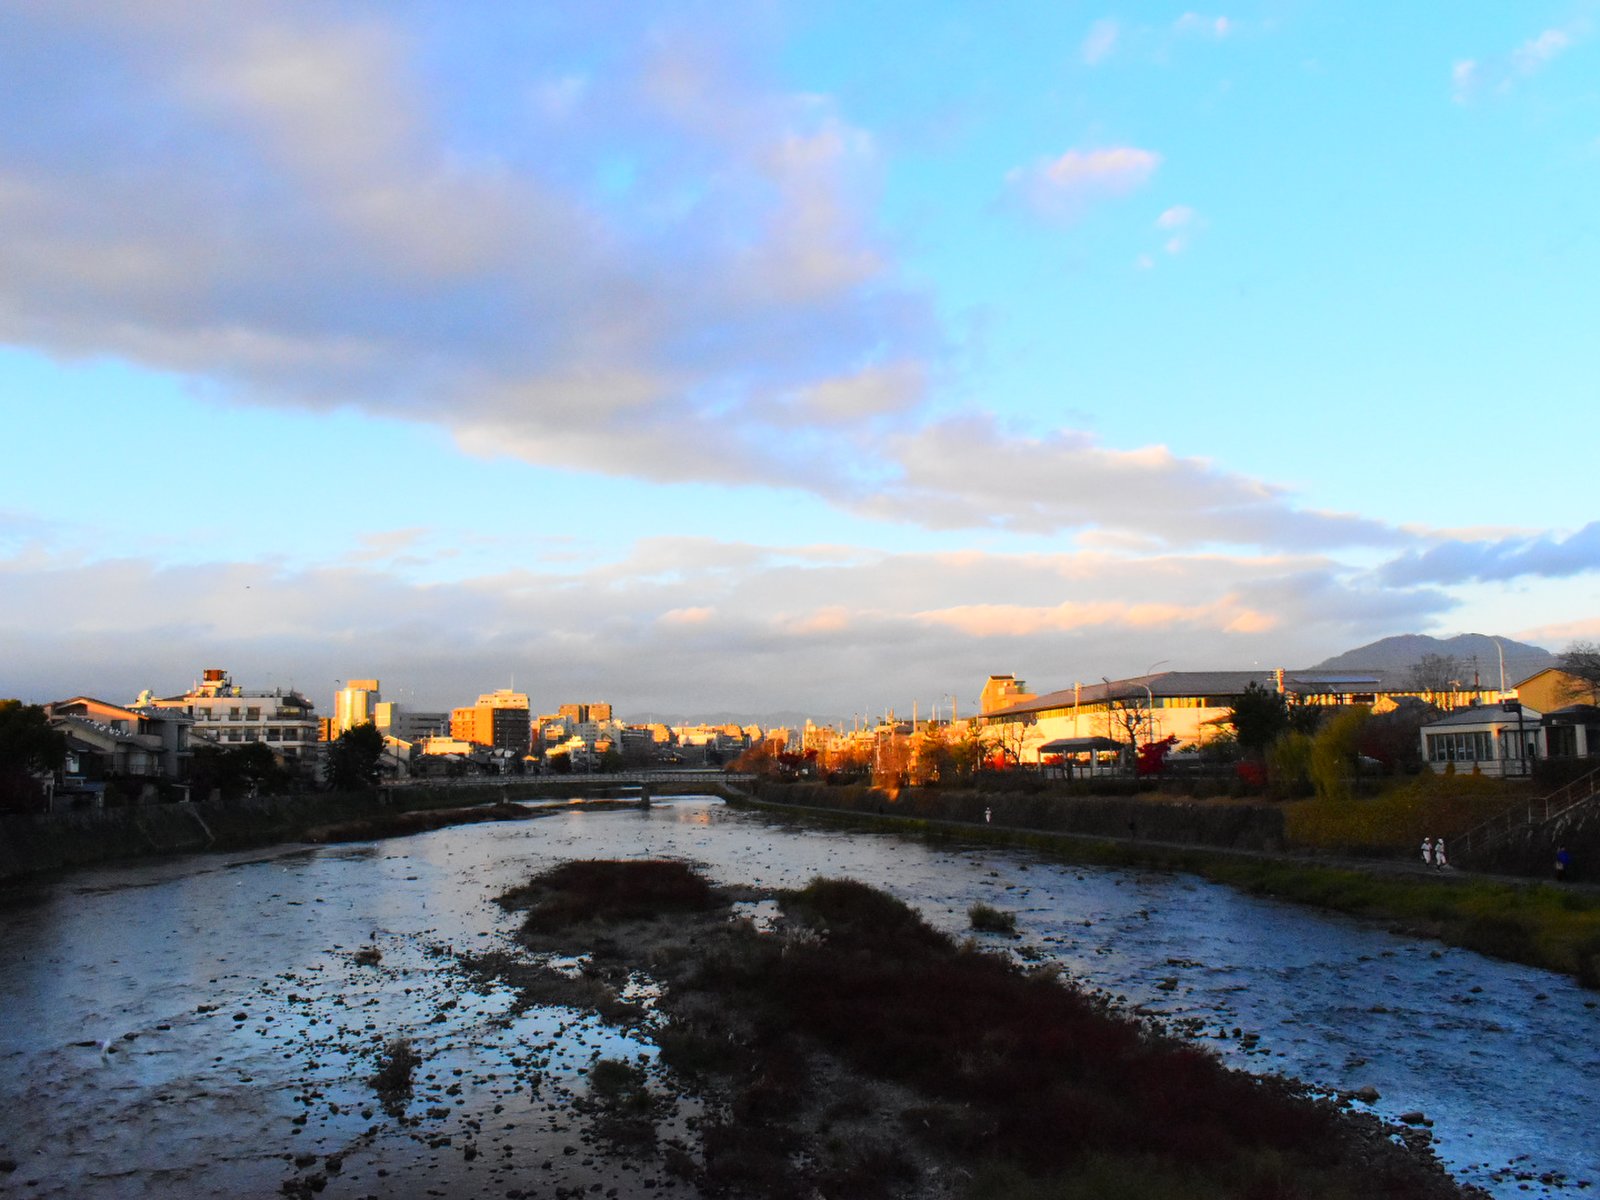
x,y
1230,826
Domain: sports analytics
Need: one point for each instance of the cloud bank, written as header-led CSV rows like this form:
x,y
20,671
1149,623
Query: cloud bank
x,y
733,625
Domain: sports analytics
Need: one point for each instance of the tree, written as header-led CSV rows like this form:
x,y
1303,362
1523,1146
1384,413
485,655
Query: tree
x,y
1130,716
891,760
233,771
759,758
1005,741
1258,717
1333,752
1581,660
1290,758
1436,673
29,747
355,759
1152,758
1394,738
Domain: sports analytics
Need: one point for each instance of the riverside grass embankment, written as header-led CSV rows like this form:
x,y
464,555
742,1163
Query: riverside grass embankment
x,y
1554,927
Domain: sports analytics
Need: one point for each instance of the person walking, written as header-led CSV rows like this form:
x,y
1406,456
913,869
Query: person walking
x,y
1563,861
1427,852
1439,860
988,815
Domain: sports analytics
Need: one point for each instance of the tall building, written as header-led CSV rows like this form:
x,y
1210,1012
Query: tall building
x,y
1002,691
354,704
499,719
393,720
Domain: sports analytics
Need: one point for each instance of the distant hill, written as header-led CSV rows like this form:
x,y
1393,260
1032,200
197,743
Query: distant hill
x,y
1394,657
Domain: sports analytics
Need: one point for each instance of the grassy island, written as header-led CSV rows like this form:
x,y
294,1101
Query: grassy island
x,y
847,1049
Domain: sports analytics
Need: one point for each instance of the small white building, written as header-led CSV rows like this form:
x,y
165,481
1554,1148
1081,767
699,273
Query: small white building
x,y
1503,739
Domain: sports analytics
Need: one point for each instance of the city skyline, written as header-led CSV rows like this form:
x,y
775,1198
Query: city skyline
x,y
786,358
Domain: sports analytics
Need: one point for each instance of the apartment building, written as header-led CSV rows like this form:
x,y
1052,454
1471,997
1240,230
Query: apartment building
x,y
499,719
226,715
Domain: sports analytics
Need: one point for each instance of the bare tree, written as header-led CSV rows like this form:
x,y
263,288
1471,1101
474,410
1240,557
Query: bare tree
x,y
1009,737
1436,673
1130,715
1581,661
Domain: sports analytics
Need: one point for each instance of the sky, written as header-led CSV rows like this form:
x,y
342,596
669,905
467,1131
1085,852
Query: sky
x,y
813,357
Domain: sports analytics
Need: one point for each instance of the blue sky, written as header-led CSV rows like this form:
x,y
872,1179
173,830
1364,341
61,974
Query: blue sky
x,y
782,356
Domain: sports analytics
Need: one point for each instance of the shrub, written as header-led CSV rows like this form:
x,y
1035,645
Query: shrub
x,y
992,920
608,891
392,1081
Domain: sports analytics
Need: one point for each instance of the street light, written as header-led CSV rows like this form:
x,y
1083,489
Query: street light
x,y
1149,671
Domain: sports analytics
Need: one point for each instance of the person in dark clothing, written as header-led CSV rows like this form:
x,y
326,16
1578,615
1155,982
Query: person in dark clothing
x,y
1563,861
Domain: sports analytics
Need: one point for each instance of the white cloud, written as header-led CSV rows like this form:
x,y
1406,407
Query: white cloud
x,y
1537,52
1024,621
1471,77
1063,188
1206,26
270,200
956,468
1099,42
1561,634
1180,221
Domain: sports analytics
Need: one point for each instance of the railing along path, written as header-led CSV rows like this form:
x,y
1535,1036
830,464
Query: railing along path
x,y
1530,813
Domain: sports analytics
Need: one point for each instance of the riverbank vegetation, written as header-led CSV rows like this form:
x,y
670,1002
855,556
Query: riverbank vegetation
x,y
1538,924
1393,820
854,1051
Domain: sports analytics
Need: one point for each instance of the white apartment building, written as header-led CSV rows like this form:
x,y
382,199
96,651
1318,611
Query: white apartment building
x,y
226,715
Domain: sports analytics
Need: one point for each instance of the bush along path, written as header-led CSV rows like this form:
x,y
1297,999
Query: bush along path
x,y
847,1049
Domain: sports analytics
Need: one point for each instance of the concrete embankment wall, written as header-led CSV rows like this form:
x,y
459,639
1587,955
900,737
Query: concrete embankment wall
x,y
1231,826
1532,851
33,843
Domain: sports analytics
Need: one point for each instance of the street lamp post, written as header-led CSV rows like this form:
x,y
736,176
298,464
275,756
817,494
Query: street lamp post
x,y
1151,711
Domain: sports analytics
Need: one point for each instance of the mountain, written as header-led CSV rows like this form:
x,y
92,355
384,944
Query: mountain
x,y
1395,656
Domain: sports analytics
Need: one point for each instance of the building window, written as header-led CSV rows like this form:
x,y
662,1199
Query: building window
x,y
1460,747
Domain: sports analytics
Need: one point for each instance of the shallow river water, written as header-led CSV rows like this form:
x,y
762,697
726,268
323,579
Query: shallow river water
x,y
200,1026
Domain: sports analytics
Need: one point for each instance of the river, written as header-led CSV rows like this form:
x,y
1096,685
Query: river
x,y
201,1026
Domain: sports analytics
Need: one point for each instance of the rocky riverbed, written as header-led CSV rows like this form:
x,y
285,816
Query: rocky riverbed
x,y
247,1002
